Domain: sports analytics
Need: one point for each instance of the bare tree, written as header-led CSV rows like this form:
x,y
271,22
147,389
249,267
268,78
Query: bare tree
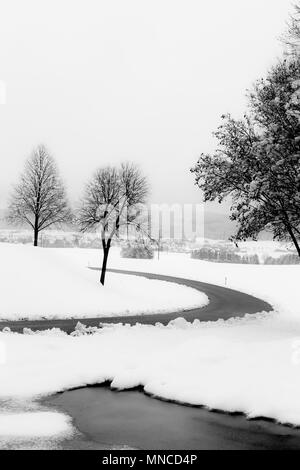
x,y
39,198
113,199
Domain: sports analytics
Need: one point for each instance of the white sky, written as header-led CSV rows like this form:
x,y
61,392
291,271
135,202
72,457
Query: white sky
x,y
104,81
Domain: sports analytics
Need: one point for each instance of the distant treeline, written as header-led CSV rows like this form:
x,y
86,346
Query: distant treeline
x,y
228,256
138,251
284,259
68,241
223,256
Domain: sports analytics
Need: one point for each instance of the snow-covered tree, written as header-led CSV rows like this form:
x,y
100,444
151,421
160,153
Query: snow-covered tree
x,y
113,199
257,162
292,36
39,199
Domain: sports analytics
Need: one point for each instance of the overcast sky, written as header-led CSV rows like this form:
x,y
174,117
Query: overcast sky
x,y
100,81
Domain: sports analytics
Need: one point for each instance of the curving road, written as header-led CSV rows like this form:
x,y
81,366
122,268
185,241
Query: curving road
x,y
223,303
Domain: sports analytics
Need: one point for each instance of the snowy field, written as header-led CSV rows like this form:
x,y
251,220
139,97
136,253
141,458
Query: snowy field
x,y
52,283
251,365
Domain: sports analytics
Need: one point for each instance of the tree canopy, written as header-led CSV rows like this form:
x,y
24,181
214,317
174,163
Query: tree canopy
x,y
112,200
257,162
292,36
39,199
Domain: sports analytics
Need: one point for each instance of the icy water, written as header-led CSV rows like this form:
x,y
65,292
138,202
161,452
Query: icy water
x,y
130,419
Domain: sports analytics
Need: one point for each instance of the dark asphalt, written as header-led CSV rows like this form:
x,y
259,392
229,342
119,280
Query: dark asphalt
x,y
223,303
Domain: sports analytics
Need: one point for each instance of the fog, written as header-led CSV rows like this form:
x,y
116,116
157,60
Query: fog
x,y
99,82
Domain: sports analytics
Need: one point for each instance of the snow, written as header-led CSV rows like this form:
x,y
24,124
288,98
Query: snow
x,y
34,424
49,283
250,364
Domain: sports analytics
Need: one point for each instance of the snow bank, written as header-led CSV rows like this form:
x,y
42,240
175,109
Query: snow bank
x,y
51,283
251,365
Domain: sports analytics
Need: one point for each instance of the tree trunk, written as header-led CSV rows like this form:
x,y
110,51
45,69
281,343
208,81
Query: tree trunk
x,y
104,265
36,235
294,239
